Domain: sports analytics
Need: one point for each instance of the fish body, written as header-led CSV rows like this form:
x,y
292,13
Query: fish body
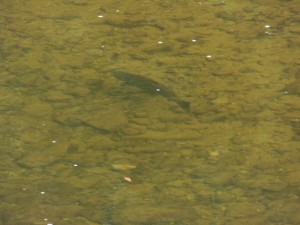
x,y
150,86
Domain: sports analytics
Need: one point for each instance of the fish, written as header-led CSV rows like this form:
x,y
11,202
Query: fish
x,y
150,86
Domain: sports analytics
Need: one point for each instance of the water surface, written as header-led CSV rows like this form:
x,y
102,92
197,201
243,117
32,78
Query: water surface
x,y
80,147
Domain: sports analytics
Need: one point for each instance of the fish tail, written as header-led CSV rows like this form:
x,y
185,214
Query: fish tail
x,y
185,105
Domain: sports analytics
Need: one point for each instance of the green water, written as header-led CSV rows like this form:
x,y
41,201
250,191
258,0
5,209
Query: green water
x,y
78,147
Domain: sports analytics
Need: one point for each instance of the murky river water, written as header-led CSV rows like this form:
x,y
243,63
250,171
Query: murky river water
x,y
81,147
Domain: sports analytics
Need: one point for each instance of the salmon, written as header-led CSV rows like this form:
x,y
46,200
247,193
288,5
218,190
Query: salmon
x,y
150,86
